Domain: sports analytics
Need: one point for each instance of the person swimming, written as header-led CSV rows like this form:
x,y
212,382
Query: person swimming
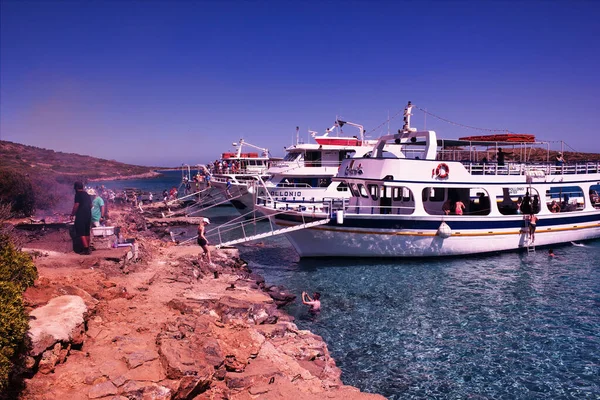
x,y
314,303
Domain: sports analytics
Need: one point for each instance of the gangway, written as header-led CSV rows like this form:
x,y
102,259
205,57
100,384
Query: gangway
x,y
245,225
273,232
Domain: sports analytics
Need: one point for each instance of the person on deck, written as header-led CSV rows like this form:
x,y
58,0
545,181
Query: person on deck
x,y
314,303
82,212
202,241
560,160
459,207
500,156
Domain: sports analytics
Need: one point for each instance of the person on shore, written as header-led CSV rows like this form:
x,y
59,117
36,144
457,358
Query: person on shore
x,y
533,219
98,208
202,241
82,212
228,187
314,303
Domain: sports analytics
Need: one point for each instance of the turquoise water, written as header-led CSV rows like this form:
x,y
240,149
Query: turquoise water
x,y
501,326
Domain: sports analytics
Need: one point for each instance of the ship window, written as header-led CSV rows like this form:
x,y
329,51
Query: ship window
x,y
434,194
565,199
402,194
374,191
354,190
291,156
518,200
595,196
363,190
342,187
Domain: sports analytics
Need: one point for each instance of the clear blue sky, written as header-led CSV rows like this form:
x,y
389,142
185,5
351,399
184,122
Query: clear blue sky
x,y
166,83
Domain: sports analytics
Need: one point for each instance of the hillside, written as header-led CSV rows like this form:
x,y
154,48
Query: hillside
x,y
35,160
33,179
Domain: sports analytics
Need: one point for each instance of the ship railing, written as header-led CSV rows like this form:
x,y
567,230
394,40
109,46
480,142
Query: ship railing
x,y
306,164
509,168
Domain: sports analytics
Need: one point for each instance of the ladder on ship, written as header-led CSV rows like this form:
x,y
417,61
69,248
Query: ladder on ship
x,y
221,234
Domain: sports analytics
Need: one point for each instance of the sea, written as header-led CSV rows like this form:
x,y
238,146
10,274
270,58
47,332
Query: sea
x,y
511,325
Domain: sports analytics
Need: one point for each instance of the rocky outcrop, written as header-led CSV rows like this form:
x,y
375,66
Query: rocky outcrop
x,y
174,328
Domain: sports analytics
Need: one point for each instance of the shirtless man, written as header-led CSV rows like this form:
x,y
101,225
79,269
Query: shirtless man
x,y
314,303
202,241
533,219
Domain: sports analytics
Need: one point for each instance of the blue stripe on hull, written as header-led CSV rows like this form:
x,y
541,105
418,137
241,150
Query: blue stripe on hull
x,y
456,224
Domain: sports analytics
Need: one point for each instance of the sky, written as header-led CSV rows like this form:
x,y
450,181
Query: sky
x,y
162,83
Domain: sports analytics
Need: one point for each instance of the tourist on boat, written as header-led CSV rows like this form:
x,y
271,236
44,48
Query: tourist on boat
x,y
447,207
533,219
500,156
314,303
554,207
519,203
560,160
526,204
82,212
535,204
459,207
202,241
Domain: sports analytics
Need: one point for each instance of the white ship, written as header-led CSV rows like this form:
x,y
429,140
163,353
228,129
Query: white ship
x,y
443,198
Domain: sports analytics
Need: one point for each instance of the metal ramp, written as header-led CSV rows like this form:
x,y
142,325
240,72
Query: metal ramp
x,y
222,233
273,232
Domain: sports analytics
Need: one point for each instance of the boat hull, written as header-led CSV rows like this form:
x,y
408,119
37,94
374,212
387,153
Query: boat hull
x,y
351,240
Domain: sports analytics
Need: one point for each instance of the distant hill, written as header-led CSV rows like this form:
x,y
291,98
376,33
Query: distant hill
x,y
34,160
32,178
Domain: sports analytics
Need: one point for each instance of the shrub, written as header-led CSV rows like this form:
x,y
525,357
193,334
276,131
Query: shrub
x,y
17,272
16,190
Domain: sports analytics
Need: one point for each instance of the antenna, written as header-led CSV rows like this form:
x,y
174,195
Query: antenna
x,y
297,134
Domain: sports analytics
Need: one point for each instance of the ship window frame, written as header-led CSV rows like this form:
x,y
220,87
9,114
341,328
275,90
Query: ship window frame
x,y
354,189
363,191
373,191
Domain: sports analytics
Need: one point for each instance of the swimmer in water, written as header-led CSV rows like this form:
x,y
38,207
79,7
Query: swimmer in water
x,y
314,303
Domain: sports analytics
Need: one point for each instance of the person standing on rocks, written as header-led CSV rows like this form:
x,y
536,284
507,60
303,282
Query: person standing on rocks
x,y
202,241
314,303
82,212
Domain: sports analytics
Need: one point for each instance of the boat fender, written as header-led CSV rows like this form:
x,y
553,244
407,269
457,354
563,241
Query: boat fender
x,y
444,231
442,171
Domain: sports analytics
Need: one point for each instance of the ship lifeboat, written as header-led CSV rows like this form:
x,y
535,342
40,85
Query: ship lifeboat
x,y
338,141
228,155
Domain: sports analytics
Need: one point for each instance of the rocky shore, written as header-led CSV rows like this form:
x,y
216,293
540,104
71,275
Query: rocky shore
x,y
162,324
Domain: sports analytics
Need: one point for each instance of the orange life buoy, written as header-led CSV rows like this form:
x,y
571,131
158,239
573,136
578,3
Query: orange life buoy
x,y
442,171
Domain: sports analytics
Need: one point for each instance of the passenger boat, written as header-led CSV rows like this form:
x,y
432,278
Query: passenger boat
x,y
441,198
235,172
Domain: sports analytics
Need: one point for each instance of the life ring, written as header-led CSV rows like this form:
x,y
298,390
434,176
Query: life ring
x,y
442,171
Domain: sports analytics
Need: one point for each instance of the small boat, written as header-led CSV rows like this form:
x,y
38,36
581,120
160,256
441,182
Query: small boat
x,y
236,173
431,201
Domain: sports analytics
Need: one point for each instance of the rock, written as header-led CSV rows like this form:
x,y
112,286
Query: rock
x,y
191,386
144,391
49,359
184,357
180,306
281,296
102,390
61,320
137,358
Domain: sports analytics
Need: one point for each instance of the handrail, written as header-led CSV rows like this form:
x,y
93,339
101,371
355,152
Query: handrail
x,y
522,168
